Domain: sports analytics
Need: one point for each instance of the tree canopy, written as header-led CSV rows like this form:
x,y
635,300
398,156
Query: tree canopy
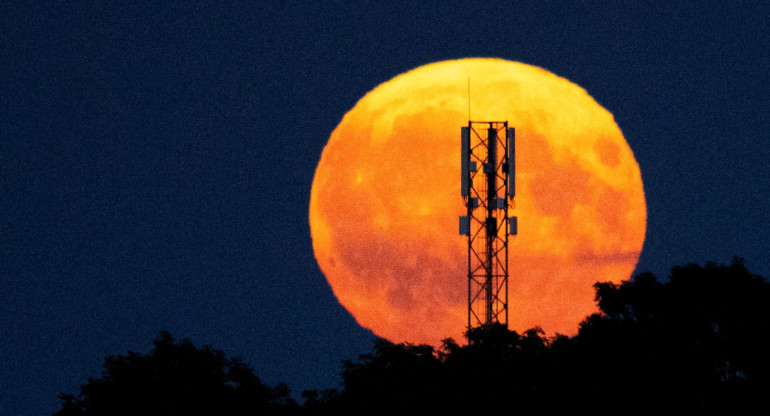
x,y
696,342
176,378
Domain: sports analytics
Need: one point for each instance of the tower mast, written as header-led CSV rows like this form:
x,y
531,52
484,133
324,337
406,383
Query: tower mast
x,y
487,184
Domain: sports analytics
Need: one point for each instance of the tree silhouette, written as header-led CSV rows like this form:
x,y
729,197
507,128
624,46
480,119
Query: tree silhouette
x,y
176,378
695,343
496,363
392,378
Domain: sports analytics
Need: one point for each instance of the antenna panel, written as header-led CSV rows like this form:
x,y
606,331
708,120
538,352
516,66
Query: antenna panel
x,y
511,162
513,226
465,165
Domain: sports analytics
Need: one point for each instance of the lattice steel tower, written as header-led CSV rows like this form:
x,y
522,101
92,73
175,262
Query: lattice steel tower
x,y
488,171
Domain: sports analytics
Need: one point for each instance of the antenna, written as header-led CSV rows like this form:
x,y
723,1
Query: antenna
x,y
487,225
469,98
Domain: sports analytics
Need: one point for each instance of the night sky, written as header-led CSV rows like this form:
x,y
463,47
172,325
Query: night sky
x,y
156,161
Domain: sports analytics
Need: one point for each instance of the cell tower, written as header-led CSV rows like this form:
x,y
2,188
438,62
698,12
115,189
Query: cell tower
x,y
488,171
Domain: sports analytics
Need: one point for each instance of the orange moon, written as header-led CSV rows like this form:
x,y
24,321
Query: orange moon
x,y
385,200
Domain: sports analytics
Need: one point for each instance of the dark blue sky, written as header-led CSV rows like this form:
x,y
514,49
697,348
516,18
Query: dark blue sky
x,y
156,161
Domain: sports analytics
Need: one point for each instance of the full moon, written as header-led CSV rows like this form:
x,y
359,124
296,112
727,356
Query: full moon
x,y
385,200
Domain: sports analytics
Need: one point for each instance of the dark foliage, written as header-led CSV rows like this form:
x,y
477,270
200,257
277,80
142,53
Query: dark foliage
x,y
395,376
696,343
176,378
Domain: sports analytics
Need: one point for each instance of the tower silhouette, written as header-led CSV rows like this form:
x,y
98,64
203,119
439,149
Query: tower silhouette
x,y
488,172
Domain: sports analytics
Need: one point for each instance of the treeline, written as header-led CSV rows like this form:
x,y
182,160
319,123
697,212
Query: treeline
x,y
697,343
